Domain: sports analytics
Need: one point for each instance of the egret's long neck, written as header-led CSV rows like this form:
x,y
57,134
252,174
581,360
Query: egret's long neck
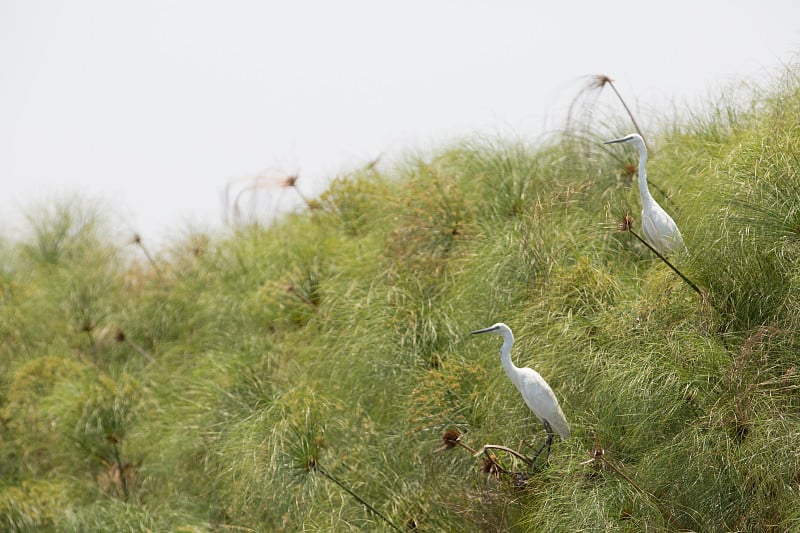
x,y
644,192
505,355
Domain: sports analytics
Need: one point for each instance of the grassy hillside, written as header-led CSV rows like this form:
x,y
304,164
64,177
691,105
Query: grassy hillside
x,y
259,380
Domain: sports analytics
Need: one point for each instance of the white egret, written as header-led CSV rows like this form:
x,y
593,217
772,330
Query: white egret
x,y
534,389
658,227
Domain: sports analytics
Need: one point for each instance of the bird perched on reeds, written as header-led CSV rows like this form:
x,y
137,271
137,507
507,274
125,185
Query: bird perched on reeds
x,y
534,389
658,227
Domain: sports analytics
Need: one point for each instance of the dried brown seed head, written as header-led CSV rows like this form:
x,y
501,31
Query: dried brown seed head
x,y
626,223
600,80
451,438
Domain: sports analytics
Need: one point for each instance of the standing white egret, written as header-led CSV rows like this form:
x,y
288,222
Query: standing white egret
x,y
658,227
534,389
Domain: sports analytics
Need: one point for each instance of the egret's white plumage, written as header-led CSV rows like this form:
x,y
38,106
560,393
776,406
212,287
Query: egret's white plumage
x,y
534,389
658,227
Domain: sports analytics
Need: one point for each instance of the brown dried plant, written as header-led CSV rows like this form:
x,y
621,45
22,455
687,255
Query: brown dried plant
x,y
580,114
250,186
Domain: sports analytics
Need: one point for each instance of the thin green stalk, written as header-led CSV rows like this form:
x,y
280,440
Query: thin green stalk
x,y
666,261
630,114
87,328
361,500
121,469
137,240
664,512
121,337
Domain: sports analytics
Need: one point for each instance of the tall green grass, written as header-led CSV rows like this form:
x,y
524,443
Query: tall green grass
x,y
300,377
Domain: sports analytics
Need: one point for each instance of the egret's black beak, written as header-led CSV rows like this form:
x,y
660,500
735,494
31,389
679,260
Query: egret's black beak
x,y
622,140
484,330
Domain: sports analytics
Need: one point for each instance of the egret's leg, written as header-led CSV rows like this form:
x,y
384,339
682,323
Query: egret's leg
x,y
546,443
549,440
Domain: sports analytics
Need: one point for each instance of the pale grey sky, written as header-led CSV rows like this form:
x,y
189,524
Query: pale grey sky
x,y
152,106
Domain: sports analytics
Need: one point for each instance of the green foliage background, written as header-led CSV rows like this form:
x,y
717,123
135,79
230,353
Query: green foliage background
x,y
222,386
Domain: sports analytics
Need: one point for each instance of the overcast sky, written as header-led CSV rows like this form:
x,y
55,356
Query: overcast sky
x,y
151,107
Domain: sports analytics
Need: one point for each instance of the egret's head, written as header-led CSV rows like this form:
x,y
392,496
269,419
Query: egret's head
x,y
635,137
499,329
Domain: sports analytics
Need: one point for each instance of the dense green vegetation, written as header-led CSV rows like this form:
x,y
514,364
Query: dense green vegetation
x,y
246,382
